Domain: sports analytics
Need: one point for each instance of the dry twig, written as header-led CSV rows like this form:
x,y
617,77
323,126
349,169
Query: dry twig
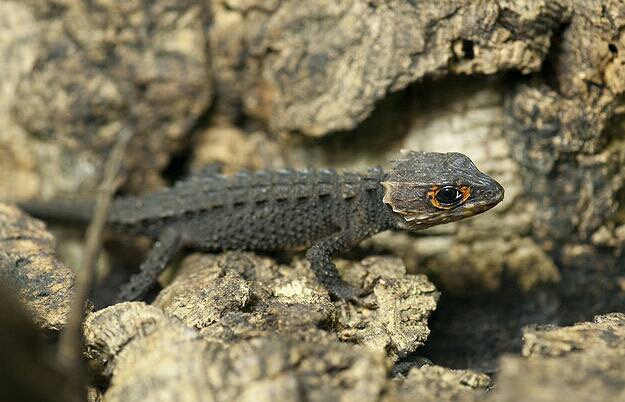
x,y
71,339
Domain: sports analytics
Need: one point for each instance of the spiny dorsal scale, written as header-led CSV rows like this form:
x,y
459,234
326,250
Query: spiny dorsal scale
x,y
302,184
259,194
284,170
241,179
238,195
282,183
325,172
371,180
326,182
350,184
326,176
262,178
301,190
213,192
259,185
302,176
212,184
239,189
283,177
215,200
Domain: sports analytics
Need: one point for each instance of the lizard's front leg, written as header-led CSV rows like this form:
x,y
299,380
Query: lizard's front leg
x,y
164,248
319,257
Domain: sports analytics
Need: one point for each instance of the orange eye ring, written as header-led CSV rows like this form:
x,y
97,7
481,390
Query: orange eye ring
x,y
448,197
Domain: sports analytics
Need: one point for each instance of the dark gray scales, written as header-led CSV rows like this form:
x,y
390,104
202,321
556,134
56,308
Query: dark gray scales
x,y
264,211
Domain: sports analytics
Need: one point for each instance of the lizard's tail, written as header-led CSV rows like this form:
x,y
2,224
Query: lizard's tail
x,y
77,211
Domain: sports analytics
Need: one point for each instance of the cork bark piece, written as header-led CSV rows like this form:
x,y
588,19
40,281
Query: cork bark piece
x,y
29,265
584,362
241,296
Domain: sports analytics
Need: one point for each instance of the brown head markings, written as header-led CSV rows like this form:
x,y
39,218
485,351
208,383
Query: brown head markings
x,y
428,188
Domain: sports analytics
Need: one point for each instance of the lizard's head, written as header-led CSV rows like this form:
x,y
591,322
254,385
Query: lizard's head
x,y
428,188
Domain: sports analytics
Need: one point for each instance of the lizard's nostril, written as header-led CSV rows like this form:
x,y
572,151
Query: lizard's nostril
x,y
490,193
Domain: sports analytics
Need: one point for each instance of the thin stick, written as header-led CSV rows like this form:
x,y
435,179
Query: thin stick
x,y
71,338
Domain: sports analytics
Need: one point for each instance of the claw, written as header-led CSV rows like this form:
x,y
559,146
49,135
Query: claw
x,y
343,291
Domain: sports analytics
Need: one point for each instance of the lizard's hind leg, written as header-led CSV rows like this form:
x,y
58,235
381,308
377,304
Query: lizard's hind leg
x,y
163,250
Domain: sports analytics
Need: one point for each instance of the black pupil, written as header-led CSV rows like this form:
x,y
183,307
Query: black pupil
x,y
448,195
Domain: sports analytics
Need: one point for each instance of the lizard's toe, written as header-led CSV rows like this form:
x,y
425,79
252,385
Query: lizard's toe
x,y
349,293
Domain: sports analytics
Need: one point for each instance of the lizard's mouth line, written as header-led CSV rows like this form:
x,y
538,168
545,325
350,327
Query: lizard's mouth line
x,y
481,206
453,214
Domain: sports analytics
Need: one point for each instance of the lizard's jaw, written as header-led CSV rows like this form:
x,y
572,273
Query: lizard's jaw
x,y
417,220
483,205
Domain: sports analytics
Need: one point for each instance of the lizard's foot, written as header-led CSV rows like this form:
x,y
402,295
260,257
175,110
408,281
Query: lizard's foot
x,y
344,291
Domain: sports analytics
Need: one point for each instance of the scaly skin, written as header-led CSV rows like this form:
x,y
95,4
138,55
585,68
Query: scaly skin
x,y
322,210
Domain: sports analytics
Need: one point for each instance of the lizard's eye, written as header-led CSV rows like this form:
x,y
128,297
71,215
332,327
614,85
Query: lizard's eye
x,y
448,196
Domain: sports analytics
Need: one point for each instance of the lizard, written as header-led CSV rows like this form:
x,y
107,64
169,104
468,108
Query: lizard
x,y
325,211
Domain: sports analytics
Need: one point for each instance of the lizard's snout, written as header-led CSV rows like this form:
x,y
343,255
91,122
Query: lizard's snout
x,y
496,194
486,197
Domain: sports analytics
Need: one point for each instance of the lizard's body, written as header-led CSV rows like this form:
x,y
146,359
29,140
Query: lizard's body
x,y
257,211
263,211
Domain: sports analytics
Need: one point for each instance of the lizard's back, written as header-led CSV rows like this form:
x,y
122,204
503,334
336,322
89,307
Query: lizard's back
x,y
256,211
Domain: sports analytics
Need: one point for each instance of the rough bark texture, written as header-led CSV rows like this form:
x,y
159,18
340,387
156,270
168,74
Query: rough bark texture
x,y
27,374
86,69
532,91
238,296
584,362
151,355
29,265
318,67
